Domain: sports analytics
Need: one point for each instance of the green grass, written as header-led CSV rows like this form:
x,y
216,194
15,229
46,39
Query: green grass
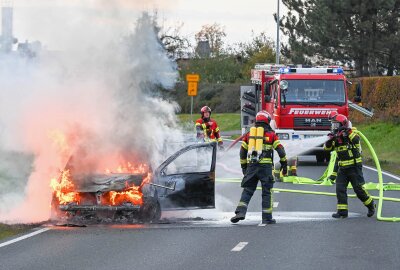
x,y
226,121
11,230
384,140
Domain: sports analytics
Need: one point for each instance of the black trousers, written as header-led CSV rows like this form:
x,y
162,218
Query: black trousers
x,y
257,172
355,176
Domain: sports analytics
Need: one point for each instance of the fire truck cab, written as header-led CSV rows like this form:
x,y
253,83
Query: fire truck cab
x,y
299,100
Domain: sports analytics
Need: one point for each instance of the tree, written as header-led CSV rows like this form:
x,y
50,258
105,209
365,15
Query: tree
x,y
221,69
176,45
259,50
347,31
214,34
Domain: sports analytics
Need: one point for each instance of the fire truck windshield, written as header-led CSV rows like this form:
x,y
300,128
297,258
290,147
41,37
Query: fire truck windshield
x,y
314,92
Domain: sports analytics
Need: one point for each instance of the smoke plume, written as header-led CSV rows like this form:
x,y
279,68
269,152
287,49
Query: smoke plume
x,y
96,101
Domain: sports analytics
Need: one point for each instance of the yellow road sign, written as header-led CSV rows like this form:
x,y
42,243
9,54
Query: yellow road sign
x,y
192,77
192,88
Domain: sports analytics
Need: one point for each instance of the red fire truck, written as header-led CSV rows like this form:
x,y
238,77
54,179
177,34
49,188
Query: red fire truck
x,y
299,100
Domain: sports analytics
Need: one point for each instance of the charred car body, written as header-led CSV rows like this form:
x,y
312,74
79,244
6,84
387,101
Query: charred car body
x,y
186,180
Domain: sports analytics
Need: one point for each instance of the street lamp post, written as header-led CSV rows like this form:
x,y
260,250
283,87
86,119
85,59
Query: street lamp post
x,y
277,34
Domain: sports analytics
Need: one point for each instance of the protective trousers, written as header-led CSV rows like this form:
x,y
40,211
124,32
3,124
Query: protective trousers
x,y
255,172
355,176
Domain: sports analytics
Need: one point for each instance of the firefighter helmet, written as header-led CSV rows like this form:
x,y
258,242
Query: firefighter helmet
x,y
205,109
340,121
263,116
332,115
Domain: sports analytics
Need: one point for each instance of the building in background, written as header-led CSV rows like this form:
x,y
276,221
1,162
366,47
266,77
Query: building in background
x,y
8,43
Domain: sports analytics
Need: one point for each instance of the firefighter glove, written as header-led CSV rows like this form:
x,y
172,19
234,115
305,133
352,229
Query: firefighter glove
x,y
284,167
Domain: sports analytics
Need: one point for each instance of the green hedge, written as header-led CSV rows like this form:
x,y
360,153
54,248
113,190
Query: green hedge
x,y
382,94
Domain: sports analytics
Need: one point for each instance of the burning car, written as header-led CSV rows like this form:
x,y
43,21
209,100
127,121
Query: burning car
x,y
186,180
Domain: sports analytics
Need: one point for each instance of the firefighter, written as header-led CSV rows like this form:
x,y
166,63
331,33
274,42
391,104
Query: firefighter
x,y
256,159
207,129
333,176
346,143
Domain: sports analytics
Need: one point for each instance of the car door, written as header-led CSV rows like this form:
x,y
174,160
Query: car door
x,y
191,173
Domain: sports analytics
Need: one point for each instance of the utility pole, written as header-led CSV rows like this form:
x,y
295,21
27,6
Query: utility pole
x,y
277,34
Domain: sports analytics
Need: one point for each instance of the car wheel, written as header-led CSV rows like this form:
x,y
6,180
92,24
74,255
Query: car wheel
x,y
151,211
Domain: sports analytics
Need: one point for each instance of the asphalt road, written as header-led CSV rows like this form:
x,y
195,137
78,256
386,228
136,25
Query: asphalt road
x,y
305,236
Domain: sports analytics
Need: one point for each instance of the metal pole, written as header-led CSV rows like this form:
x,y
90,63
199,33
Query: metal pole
x,y
191,109
277,34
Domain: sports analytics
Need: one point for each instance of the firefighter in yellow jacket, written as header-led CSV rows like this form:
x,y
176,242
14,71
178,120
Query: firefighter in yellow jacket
x,y
346,143
207,129
256,159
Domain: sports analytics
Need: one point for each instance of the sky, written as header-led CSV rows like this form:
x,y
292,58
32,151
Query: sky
x,y
52,21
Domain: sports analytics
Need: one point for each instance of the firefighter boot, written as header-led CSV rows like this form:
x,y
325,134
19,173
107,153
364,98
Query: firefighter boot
x,y
340,214
267,219
371,209
239,216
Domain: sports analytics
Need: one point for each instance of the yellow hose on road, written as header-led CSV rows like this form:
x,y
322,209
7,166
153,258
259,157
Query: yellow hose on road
x,y
378,167
380,186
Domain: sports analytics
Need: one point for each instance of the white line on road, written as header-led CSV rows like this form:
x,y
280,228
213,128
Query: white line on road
x,y
388,174
240,246
276,204
23,237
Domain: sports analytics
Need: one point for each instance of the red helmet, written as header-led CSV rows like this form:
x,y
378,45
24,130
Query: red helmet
x,y
340,121
263,116
332,115
205,109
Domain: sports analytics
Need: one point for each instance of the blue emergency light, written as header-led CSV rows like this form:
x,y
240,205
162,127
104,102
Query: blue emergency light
x,y
314,70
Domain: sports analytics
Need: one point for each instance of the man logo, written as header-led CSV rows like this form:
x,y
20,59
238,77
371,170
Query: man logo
x,y
313,120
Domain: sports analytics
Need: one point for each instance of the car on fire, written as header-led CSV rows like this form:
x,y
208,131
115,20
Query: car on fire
x,y
186,180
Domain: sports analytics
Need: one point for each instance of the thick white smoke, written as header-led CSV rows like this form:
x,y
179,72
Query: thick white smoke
x,y
97,102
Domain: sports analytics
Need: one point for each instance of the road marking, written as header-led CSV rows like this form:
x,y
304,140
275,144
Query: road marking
x,y
388,174
276,204
23,237
240,246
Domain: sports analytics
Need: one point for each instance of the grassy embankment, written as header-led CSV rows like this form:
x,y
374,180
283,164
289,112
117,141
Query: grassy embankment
x,y
10,230
383,137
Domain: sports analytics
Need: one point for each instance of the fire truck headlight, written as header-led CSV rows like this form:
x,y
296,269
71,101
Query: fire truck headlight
x,y
283,136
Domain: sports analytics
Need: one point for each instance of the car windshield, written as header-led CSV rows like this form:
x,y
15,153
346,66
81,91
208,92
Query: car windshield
x,y
314,92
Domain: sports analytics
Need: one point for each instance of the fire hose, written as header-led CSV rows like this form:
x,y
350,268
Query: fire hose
x,y
380,186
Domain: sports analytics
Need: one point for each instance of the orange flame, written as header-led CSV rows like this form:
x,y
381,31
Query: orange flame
x,y
64,190
132,195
